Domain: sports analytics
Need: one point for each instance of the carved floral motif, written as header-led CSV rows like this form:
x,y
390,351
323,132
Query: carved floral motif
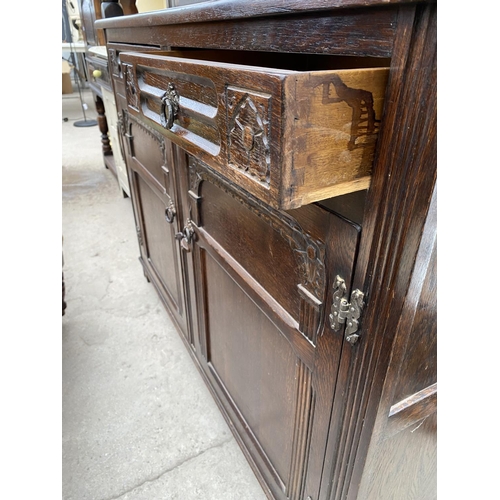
x,y
311,259
248,133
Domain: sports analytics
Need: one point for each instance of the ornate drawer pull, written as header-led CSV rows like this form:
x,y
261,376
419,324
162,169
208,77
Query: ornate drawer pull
x,y
170,213
186,236
169,106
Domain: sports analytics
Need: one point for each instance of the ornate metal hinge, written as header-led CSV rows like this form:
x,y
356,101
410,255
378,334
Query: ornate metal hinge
x,y
344,312
139,235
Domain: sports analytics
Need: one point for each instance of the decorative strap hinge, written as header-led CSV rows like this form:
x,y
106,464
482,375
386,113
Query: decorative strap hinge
x,y
139,235
344,312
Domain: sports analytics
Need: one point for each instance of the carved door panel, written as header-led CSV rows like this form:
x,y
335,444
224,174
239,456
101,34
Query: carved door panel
x,y
152,183
263,281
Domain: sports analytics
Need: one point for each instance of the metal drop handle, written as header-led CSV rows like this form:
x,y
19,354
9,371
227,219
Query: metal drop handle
x,y
169,106
186,236
170,213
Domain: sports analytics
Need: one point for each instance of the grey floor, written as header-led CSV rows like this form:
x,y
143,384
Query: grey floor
x,y
138,422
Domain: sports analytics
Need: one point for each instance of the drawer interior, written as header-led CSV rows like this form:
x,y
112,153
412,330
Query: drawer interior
x,y
349,206
281,61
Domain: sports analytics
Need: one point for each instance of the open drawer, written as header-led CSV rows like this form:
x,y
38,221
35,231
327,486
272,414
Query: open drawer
x,y
289,137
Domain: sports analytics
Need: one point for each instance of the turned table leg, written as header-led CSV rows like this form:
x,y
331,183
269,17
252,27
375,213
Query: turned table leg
x,y
103,126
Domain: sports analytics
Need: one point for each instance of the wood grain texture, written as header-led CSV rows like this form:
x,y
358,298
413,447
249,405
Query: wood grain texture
x,y
410,391
411,410
394,220
331,133
315,416
237,9
288,137
406,465
348,33
233,275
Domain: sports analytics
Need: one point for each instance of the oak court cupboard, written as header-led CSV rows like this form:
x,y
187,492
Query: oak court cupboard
x,y
281,157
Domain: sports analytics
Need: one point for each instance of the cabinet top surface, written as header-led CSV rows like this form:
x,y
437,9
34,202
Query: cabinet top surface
x,y
220,10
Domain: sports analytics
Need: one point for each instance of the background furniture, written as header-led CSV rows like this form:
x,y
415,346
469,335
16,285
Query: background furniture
x,y
284,193
73,46
100,85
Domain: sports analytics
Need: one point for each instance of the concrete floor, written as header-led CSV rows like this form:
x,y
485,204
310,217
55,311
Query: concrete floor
x,y
138,422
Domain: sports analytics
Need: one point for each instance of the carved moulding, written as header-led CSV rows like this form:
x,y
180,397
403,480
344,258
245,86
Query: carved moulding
x,y
114,62
304,413
309,252
122,129
129,121
130,86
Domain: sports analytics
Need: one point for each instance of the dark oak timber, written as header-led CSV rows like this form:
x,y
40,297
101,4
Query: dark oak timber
x,y
348,34
231,10
250,202
394,220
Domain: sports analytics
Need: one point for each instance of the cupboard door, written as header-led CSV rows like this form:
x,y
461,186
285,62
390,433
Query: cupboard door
x,y
152,182
263,281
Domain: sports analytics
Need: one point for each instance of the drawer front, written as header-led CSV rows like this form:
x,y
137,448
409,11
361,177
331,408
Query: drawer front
x,y
98,72
287,137
114,62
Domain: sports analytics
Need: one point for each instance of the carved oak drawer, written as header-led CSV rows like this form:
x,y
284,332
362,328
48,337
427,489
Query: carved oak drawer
x,y
289,137
114,51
